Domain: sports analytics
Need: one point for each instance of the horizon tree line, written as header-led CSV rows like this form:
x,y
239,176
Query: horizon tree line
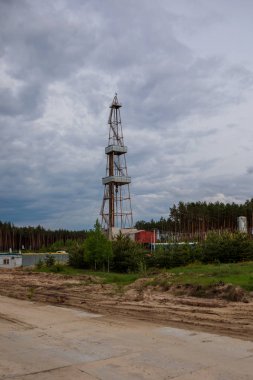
x,y
186,221
33,238
192,220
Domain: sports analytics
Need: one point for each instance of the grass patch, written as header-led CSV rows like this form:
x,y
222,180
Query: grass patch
x,y
108,278
238,274
118,278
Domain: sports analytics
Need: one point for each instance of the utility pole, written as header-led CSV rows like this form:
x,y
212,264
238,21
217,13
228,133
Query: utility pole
x,y
116,210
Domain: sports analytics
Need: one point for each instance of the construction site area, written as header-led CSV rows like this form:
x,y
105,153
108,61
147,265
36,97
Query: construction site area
x,y
62,327
178,306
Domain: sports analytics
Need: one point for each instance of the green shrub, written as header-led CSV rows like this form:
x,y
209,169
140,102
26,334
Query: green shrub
x,y
97,249
227,248
128,256
40,264
49,260
76,257
57,267
174,255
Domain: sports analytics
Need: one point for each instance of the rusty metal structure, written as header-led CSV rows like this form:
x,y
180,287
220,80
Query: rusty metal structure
x,y
116,210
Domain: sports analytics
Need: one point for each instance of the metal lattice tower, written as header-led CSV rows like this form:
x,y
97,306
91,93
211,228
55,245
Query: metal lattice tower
x,y
116,210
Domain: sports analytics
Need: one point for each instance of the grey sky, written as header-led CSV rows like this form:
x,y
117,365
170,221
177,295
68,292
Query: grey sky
x,y
183,71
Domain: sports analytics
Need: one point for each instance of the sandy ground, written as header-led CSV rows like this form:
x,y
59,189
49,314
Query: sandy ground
x,y
45,342
218,316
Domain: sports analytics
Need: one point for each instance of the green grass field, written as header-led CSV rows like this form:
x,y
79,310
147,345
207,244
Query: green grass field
x,y
237,274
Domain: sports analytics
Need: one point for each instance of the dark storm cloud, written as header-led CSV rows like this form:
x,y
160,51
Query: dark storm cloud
x,y
27,102
250,170
61,63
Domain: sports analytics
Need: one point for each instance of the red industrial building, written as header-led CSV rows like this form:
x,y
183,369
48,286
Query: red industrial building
x,y
145,237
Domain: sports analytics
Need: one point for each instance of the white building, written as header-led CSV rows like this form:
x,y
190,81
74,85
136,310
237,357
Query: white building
x,y
10,260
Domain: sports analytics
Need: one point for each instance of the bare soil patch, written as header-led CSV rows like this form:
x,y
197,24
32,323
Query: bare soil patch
x,y
177,305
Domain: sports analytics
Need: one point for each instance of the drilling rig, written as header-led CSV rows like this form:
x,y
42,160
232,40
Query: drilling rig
x,y
116,210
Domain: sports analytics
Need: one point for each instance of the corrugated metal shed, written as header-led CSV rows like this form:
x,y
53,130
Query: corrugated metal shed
x,y
145,237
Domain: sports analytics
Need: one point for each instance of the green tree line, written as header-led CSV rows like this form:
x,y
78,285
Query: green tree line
x,y
126,256
34,238
195,219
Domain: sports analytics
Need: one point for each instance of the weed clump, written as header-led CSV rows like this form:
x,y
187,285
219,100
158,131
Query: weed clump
x,y
57,268
39,264
49,261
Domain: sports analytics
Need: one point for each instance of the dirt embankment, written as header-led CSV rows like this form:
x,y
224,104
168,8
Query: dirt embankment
x,y
177,306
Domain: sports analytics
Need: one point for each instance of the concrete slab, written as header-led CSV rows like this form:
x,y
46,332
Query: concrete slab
x,y
45,342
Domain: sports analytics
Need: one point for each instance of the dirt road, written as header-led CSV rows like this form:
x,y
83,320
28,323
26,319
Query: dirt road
x,y
46,342
211,315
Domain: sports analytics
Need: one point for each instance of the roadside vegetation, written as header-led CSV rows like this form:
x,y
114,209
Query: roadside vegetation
x,y
222,259
237,274
106,278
